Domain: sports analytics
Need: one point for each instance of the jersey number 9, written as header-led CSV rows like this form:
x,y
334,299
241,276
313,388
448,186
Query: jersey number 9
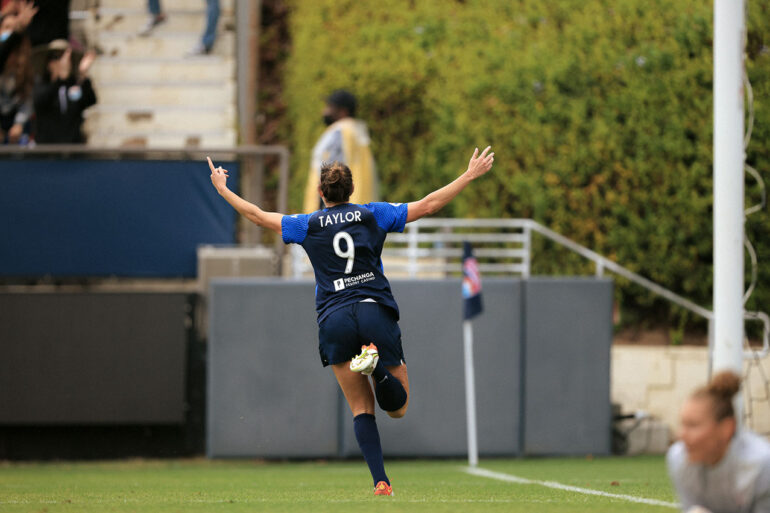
x,y
350,251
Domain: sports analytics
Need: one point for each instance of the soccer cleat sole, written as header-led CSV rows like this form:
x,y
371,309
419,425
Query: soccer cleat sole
x,y
366,361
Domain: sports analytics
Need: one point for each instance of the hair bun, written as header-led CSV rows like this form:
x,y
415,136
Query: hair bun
x,y
725,384
336,181
334,176
332,172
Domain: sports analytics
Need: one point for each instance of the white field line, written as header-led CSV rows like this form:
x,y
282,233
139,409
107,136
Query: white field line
x,y
558,486
362,500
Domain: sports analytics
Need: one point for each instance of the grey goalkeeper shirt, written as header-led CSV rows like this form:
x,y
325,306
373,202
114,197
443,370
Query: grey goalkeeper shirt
x,y
739,483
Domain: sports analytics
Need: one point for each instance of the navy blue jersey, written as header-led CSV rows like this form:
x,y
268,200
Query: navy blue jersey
x,y
344,244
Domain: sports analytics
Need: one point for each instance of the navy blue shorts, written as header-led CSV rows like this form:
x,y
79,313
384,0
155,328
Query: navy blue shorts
x,y
344,331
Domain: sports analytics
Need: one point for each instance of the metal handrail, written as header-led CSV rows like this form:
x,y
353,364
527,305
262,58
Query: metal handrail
x,y
603,263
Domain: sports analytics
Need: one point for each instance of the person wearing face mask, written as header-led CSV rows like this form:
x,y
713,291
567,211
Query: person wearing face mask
x,y
62,95
15,73
345,140
717,466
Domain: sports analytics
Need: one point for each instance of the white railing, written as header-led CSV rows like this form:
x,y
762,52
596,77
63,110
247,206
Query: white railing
x,y
433,246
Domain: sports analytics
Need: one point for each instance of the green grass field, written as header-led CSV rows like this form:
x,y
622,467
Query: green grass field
x,y
240,486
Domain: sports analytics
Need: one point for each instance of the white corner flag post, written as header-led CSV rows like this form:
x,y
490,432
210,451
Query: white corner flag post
x,y
470,394
472,306
729,157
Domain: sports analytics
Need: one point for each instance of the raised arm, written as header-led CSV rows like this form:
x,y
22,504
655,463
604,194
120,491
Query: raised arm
x,y
436,200
250,211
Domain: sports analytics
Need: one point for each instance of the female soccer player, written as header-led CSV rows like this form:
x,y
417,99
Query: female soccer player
x,y
356,309
717,467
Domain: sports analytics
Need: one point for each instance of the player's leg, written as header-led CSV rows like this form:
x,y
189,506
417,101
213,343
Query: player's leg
x,y
356,389
400,374
358,393
338,342
378,324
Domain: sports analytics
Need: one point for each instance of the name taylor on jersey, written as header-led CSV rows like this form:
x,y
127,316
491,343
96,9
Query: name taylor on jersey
x,y
339,217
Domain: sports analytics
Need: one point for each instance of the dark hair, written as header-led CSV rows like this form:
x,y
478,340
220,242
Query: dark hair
x,y
720,391
344,100
336,182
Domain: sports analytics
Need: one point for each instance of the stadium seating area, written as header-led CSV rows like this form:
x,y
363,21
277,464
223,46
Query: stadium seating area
x,y
150,92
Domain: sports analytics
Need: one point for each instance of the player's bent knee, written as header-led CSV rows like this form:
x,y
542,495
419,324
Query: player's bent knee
x,y
397,414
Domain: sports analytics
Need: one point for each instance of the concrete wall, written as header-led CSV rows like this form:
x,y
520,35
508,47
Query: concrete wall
x,y
93,358
268,395
658,380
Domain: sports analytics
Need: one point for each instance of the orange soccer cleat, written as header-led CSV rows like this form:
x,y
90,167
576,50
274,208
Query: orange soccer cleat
x,y
383,488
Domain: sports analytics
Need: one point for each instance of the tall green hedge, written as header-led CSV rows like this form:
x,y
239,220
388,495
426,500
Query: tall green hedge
x,y
600,114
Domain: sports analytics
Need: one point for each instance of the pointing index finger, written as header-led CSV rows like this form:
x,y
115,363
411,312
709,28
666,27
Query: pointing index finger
x,y
211,164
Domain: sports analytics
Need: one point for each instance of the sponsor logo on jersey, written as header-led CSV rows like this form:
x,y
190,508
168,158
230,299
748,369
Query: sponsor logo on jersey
x,y
352,281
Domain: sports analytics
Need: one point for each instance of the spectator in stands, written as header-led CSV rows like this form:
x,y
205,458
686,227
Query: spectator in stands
x,y
206,43
62,95
157,16
15,73
718,466
345,140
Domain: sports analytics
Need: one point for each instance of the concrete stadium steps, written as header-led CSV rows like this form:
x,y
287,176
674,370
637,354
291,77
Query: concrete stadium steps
x,y
154,139
133,20
206,94
116,119
129,44
168,5
150,93
133,70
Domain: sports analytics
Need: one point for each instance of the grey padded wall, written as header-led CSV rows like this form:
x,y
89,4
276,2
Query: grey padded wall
x,y
568,329
268,395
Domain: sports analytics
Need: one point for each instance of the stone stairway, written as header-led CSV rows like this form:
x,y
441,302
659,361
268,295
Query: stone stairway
x,y
150,94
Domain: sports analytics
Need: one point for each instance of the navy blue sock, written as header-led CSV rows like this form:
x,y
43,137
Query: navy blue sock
x,y
388,390
368,438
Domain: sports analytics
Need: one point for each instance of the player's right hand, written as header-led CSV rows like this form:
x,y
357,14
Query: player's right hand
x,y
218,176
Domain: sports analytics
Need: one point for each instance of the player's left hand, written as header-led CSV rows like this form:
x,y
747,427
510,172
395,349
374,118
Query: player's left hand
x,y
218,176
480,164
